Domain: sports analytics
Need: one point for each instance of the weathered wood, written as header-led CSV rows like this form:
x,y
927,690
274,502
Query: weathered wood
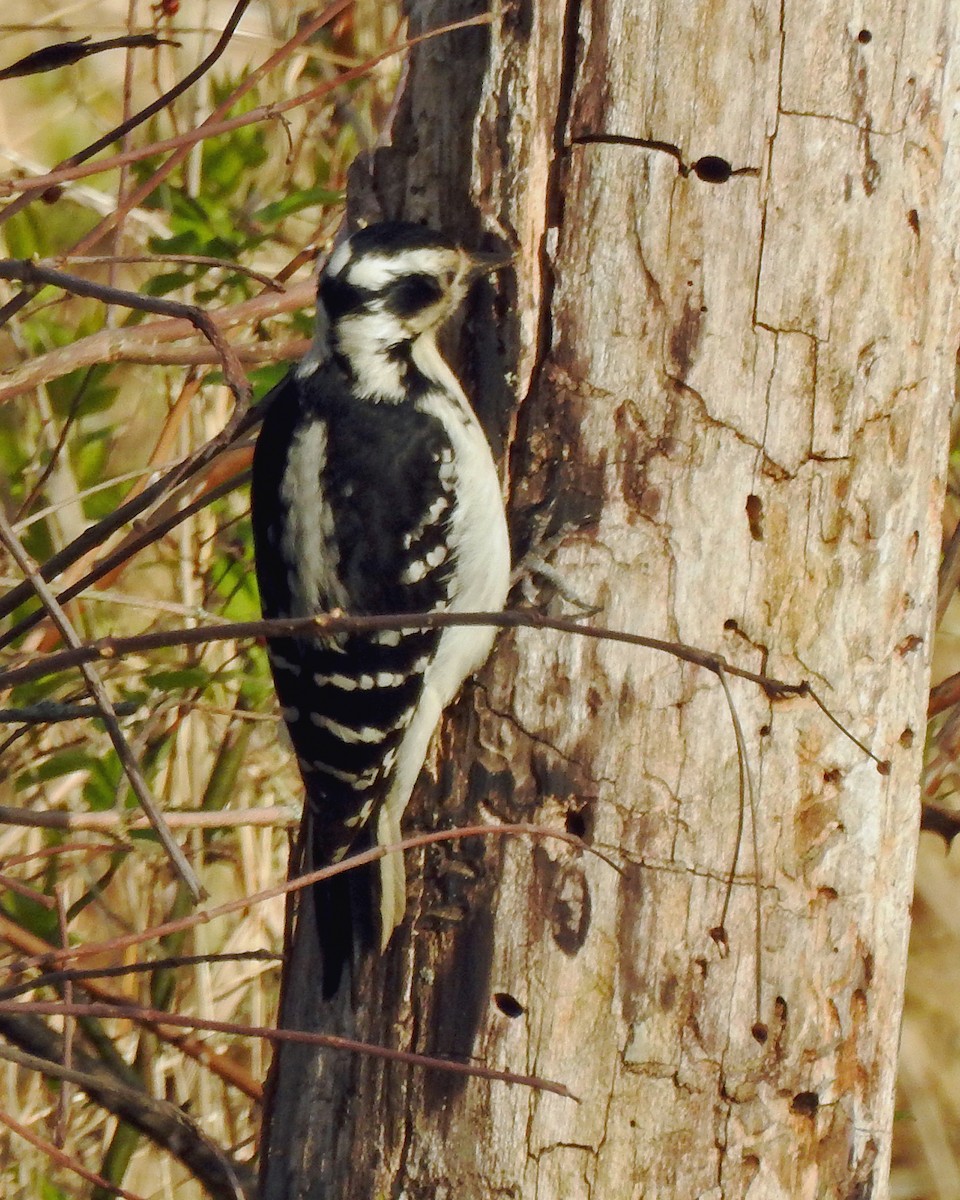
x,y
736,394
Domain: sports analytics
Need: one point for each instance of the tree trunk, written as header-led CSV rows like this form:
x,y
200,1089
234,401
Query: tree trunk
x,y
733,389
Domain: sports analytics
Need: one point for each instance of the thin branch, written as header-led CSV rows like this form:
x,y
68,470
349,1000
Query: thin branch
x,y
331,1041
213,126
746,778
130,766
65,54
325,624
41,514
54,460
58,1156
48,712
944,695
271,817
141,343
190,260
37,273
69,1024
165,1123
883,764
239,424
81,976
221,1065
161,102
203,916
132,199
948,577
29,893
88,848
126,550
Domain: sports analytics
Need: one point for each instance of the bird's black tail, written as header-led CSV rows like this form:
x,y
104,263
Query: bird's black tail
x,y
344,909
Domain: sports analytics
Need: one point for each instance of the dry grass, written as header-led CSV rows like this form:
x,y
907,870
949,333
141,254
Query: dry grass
x,y
184,733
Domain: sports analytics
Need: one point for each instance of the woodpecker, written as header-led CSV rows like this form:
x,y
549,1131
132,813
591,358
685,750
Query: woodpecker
x,y
375,491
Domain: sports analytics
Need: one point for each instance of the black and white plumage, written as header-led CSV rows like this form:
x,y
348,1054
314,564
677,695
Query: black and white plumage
x,y
374,491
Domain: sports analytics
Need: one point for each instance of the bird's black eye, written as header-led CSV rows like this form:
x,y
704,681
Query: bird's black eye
x,y
412,294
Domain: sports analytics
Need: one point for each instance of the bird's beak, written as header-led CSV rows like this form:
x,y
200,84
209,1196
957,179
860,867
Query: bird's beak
x,y
484,262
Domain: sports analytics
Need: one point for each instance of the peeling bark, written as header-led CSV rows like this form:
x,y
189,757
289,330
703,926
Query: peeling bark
x,y
733,395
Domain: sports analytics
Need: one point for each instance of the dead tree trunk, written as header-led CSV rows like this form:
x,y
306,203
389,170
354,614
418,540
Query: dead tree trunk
x,y
733,332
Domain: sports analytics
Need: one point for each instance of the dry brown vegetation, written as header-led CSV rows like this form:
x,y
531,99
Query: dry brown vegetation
x,y
202,723
87,434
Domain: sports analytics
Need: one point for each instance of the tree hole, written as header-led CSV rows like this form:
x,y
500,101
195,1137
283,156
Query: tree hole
x,y
712,169
805,1104
509,1005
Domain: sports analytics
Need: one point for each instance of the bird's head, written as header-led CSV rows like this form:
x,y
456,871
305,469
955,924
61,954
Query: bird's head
x,y
392,285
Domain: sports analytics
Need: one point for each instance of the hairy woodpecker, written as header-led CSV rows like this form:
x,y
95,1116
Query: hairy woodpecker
x,y
374,491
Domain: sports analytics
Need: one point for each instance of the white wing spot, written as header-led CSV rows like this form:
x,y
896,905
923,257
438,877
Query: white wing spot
x,y
423,566
390,679
359,783
415,571
387,637
346,683
361,817
367,734
284,664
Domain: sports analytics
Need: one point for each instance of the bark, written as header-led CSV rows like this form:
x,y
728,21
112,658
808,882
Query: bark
x,y
732,394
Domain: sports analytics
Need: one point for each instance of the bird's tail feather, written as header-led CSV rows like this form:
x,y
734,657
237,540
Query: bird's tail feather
x,y
344,909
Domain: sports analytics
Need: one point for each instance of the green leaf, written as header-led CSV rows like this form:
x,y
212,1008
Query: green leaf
x,y
64,763
49,1191
169,281
295,201
100,790
90,456
257,684
185,677
34,917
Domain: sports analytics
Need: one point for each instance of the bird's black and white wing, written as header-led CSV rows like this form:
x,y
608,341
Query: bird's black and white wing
x,y
352,511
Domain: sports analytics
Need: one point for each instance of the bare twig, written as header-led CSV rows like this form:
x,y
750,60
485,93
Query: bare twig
x,y
126,550
948,579
82,976
54,1008
58,1156
145,114
329,623
144,343
103,822
47,712
54,461
201,917
221,1065
65,54
69,1025
238,424
944,695
132,199
21,889
214,126
36,273
99,693
190,260
165,1123
746,789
